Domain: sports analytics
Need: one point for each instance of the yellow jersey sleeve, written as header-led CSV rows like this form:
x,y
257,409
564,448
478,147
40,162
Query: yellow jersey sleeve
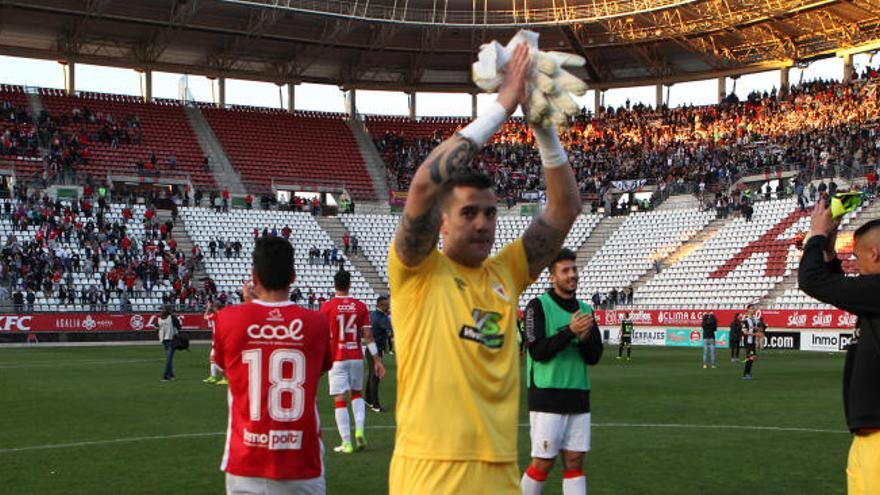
x,y
512,258
410,280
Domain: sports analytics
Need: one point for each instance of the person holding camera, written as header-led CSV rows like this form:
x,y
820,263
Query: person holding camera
x,y
167,331
821,276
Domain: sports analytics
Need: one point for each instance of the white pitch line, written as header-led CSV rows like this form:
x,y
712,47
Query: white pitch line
x,y
62,364
717,427
391,427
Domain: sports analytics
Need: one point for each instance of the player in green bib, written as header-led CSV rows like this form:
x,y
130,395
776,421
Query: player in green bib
x,y
562,339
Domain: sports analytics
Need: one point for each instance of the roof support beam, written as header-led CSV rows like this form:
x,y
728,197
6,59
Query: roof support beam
x,y
574,35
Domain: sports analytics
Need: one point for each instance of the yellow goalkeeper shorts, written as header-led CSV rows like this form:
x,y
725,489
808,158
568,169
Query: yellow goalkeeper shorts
x,y
863,466
411,476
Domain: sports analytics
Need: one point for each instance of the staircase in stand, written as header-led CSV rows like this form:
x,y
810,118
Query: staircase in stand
x,y
600,234
683,251
36,107
336,230
184,245
374,163
221,168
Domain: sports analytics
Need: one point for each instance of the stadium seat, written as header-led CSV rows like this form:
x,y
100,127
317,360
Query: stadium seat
x,y
203,225
305,148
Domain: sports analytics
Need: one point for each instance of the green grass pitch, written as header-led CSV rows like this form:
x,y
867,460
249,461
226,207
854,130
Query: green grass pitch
x,y
95,420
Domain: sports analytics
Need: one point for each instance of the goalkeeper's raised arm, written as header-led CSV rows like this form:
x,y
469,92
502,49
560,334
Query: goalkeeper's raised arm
x,y
544,237
419,227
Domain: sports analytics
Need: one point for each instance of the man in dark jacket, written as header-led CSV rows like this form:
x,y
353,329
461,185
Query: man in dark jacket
x,y
710,325
821,276
380,325
18,301
31,299
735,337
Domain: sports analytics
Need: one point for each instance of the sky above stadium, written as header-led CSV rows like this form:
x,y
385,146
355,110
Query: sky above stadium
x,y
318,97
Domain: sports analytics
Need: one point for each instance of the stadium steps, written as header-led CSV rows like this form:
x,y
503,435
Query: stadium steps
x,y
680,202
683,251
870,212
375,165
221,168
597,238
693,243
380,207
35,103
336,229
184,245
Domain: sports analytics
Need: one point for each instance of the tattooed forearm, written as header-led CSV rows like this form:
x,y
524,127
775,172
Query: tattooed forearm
x,y
542,242
417,236
452,155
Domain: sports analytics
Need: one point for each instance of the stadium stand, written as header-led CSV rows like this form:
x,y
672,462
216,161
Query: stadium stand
x,y
118,132
308,148
631,251
36,253
714,144
203,225
737,266
376,233
743,262
19,146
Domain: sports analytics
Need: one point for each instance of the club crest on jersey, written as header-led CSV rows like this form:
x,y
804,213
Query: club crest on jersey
x,y
501,291
485,330
275,315
460,283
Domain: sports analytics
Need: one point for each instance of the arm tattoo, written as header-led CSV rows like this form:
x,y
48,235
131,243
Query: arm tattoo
x,y
447,159
418,235
542,242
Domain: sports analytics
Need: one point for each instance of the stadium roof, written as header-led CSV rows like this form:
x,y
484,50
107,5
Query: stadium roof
x,y
428,45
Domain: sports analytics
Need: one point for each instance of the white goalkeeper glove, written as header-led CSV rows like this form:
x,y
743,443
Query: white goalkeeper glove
x,y
550,86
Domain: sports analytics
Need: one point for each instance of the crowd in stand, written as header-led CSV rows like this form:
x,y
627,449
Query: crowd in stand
x,y
18,134
613,298
54,240
818,128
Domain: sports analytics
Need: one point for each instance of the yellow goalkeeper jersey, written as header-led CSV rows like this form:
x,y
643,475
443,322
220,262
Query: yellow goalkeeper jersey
x,y
457,355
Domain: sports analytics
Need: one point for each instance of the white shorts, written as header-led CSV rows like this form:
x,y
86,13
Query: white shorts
x,y
551,433
242,485
346,375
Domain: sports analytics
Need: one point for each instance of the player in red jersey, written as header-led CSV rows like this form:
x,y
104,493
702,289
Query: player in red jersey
x,y
349,319
273,353
215,376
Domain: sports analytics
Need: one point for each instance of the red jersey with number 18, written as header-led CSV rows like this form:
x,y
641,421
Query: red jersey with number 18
x,y
273,355
347,317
